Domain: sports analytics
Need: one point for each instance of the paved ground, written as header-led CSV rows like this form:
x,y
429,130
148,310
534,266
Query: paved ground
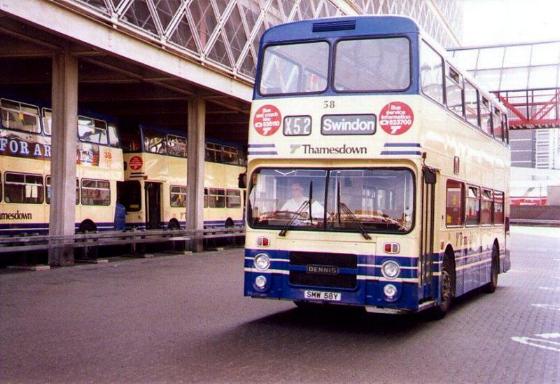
x,y
183,319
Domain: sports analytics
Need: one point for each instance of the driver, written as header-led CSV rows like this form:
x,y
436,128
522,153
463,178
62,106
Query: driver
x,y
297,200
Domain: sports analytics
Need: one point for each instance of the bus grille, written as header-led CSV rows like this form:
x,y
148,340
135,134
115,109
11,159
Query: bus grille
x,y
329,261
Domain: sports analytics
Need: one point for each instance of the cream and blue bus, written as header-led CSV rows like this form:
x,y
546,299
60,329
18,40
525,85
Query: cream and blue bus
x,y
25,170
377,170
154,192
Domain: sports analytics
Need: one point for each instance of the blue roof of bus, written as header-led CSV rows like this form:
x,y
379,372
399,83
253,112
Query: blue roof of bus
x,y
340,27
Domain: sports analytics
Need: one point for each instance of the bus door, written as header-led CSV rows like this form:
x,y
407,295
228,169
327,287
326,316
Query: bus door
x,y
428,188
153,205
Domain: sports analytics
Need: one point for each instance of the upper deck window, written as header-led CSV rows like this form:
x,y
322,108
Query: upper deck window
x,y
295,68
92,130
372,65
20,116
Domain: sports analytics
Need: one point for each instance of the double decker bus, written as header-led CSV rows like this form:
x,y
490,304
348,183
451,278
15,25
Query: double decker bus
x,y
154,192
25,170
377,169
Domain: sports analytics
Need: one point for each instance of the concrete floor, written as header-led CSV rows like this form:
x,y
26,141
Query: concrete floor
x,y
184,319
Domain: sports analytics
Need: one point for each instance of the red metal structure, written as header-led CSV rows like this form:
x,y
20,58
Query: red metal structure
x,y
532,108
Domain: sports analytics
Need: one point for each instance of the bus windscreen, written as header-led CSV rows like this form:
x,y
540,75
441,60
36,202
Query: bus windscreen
x,y
381,64
295,68
378,200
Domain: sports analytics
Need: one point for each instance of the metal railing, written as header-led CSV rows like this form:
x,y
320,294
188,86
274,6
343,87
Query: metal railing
x,y
14,244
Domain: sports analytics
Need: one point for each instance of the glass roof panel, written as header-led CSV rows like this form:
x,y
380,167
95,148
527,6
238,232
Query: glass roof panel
x,y
490,58
466,59
543,77
488,79
517,56
546,54
514,78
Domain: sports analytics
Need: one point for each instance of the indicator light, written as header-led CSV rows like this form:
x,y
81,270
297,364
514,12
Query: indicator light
x,y
392,248
263,241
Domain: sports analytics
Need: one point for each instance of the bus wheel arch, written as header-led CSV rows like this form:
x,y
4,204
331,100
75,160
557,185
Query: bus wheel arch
x,y
494,269
173,224
229,223
87,225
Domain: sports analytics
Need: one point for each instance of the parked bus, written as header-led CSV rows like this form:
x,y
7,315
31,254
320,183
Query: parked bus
x,y
378,170
154,192
25,187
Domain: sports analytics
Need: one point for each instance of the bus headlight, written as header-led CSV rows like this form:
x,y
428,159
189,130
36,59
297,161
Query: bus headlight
x,y
390,292
390,269
262,262
260,282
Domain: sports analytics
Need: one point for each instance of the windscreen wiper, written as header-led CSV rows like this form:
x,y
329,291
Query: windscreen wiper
x,y
296,214
301,208
349,212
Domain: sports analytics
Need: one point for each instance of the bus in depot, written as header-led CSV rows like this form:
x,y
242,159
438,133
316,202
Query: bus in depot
x,y
25,170
377,170
154,192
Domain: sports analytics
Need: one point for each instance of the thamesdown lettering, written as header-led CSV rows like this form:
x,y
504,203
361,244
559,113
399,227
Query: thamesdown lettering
x,y
16,216
343,150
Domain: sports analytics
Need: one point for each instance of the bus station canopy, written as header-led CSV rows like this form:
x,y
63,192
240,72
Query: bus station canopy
x,y
525,77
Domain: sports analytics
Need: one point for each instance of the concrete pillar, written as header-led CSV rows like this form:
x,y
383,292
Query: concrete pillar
x,y
63,161
195,167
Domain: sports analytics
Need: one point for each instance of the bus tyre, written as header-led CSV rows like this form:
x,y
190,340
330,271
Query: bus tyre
x,y
446,291
229,223
493,284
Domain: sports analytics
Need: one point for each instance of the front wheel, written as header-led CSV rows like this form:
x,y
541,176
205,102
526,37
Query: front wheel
x,y
493,284
446,291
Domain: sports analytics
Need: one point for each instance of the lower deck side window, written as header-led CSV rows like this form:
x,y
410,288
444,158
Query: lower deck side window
x,y
23,188
178,196
498,207
214,198
473,206
96,192
486,207
455,206
233,198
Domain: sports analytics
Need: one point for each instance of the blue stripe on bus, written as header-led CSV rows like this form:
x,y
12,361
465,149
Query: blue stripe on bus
x,y
45,226
401,153
262,145
262,153
402,145
471,275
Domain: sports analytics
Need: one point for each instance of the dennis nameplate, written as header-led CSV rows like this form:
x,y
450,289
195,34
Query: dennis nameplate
x,y
322,269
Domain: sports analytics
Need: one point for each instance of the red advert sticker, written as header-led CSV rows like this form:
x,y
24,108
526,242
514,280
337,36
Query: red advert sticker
x,y
267,120
396,118
135,163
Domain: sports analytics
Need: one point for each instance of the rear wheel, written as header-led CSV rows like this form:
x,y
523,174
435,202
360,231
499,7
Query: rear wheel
x,y
493,284
446,291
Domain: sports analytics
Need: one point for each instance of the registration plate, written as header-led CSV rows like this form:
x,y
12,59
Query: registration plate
x,y
319,295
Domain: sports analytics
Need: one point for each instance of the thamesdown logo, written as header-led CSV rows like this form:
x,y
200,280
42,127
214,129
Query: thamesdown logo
x,y
17,215
309,149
